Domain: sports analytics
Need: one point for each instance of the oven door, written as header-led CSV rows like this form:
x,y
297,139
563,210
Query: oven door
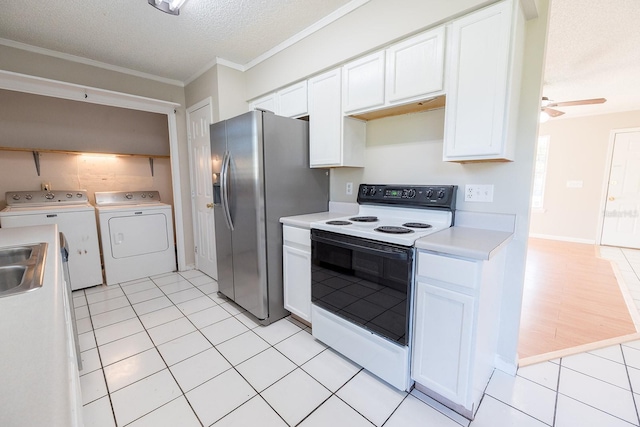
x,y
364,281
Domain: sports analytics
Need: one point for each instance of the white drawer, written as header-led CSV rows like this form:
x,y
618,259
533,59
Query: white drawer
x,y
297,236
446,269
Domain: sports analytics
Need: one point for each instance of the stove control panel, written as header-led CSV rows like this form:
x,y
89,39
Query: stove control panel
x,y
418,196
26,198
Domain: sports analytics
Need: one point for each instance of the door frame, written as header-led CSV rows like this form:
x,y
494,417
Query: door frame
x,y
189,110
605,181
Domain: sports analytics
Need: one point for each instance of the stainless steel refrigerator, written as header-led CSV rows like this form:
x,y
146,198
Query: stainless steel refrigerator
x,y
260,165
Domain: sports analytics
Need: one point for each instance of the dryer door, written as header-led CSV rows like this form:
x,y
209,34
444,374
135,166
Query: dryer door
x,y
138,234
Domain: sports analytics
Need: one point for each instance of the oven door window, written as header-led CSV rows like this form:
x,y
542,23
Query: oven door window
x,y
364,281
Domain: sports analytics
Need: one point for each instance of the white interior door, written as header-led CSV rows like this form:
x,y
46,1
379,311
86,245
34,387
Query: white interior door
x,y
202,188
621,226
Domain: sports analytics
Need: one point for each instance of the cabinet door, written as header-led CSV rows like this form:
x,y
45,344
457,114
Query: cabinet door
x,y
478,81
415,67
267,102
442,341
297,281
363,83
325,120
292,100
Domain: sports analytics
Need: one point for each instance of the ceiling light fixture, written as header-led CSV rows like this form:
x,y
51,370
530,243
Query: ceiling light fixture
x,y
168,6
544,117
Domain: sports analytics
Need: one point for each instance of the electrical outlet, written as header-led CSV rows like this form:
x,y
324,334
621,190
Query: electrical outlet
x,y
349,189
478,193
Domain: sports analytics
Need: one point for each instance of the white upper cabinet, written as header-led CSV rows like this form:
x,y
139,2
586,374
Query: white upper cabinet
x,y
415,67
483,84
334,140
363,83
267,102
293,100
288,102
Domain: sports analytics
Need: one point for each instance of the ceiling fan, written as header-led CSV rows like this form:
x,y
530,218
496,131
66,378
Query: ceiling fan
x,y
547,104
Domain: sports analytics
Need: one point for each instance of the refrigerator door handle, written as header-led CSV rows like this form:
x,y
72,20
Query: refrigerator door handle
x,y
224,183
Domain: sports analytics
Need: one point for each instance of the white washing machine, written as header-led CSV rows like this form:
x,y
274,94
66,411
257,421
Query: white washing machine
x,y
76,219
136,234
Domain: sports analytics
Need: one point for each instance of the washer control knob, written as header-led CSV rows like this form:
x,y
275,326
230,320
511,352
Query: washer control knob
x,y
440,194
16,197
79,195
372,191
365,190
28,197
144,196
151,195
128,196
411,193
429,193
49,196
69,195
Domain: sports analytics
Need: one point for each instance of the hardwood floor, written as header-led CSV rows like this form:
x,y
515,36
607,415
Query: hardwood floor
x,y
571,300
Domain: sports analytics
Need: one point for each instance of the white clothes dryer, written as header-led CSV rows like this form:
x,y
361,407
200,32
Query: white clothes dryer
x,y
136,234
76,219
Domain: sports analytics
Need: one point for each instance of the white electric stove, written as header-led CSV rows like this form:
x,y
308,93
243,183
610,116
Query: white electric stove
x,y
362,274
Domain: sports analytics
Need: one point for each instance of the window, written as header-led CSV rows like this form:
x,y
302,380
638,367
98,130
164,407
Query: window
x,y
540,173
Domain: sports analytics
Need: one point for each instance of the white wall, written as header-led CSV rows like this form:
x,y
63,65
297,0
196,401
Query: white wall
x,y
83,172
577,152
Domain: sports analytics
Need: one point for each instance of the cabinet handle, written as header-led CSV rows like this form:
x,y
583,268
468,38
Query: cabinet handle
x,y
209,205
611,199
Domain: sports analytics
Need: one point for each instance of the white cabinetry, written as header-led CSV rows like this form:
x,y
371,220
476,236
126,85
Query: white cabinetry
x,y
334,140
457,308
296,262
407,71
415,67
483,84
363,83
288,102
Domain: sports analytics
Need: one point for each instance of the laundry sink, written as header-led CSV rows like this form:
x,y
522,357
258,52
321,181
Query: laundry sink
x,y
22,268
13,255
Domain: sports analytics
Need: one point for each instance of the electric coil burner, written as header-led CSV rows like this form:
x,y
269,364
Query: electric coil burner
x,y
393,230
362,274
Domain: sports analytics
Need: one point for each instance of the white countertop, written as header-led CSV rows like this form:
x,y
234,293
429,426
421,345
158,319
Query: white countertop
x,y
475,243
35,367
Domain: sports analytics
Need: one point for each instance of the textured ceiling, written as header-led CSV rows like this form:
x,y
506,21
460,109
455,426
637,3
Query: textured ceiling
x,y
134,35
593,49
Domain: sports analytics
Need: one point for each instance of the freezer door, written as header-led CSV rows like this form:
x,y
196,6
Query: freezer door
x,y
246,204
224,252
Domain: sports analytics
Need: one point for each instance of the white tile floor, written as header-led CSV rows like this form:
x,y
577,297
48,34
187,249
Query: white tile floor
x,y
168,351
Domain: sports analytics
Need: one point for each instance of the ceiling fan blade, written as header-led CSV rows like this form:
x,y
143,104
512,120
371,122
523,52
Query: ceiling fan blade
x,y
552,113
579,102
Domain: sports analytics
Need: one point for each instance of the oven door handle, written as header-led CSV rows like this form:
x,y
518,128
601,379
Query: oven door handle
x,y
397,255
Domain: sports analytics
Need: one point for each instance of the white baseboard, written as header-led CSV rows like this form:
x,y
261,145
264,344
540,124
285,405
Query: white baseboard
x,y
563,238
507,367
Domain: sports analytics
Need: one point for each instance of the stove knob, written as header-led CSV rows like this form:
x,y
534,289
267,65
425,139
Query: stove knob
x,y
16,197
440,194
128,196
49,196
28,197
69,195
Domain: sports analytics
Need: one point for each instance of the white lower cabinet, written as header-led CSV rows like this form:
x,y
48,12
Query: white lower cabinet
x,y
455,335
296,262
